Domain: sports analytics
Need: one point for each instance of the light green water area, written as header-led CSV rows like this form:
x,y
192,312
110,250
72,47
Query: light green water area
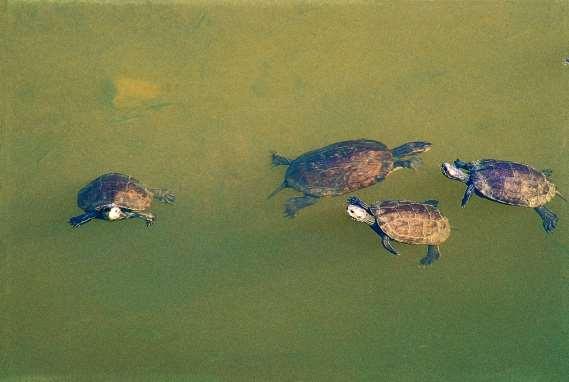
x,y
194,97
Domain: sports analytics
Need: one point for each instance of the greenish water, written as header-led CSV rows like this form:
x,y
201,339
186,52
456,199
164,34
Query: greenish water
x,y
223,288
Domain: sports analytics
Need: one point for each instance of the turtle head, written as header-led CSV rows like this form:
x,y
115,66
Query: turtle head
x,y
359,211
451,171
115,213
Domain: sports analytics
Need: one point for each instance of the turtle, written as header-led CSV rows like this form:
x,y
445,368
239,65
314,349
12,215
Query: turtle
x,y
115,196
343,167
404,221
506,182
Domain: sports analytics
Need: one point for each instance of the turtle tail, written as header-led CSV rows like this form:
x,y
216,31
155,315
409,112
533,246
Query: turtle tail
x,y
282,186
411,148
279,160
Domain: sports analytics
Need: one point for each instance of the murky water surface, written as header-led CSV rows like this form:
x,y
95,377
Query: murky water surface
x,y
194,97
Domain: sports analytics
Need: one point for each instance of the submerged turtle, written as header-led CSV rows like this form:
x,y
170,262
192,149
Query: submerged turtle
x,y
404,221
115,196
508,183
343,167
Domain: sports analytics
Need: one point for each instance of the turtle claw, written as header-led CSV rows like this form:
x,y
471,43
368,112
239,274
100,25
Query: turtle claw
x,y
433,255
550,225
549,218
415,163
163,195
385,241
169,198
289,214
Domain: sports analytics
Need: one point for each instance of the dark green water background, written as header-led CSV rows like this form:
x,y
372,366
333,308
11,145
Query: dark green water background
x,y
223,288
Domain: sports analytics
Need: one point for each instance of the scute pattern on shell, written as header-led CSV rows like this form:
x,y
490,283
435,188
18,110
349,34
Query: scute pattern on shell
x,y
411,222
512,183
123,190
340,168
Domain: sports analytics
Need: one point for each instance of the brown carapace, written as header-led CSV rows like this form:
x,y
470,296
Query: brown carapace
x,y
404,221
507,182
343,167
412,222
115,196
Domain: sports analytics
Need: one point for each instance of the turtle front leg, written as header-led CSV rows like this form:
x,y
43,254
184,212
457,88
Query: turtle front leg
x,y
386,242
467,194
149,217
77,221
433,254
293,205
549,218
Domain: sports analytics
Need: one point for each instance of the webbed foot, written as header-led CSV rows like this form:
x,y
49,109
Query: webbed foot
x,y
549,218
279,160
163,195
293,205
148,217
467,194
77,221
547,172
413,162
433,255
386,242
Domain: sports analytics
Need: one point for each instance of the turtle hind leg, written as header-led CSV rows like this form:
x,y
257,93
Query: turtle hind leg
x,y
76,221
433,255
163,195
293,205
548,217
279,160
431,202
407,155
547,172
412,162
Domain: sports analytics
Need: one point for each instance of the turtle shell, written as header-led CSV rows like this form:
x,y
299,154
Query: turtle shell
x,y
411,222
511,183
114,188
340,168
